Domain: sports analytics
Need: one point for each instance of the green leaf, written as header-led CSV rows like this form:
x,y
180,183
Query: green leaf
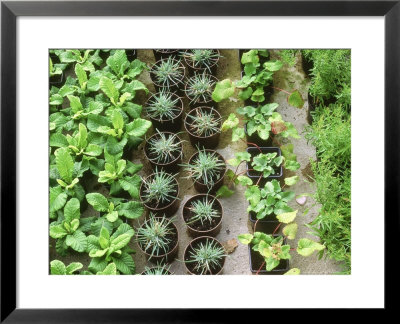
x,y
290,231
139,127
124,263
132,185
291,180
250,57
112,217
136,85
223,90
292,165
56,100
306,247
295,99
58,231
65,164
72,210
287,217
237,134
239,157
253,195
269,108
271,263
244,180
244,82
118,62
111,269
231,122
293,271
57,268
124,228
117,120
131,210
224,192
119,242
93,150
245,238
58,140
108,87
245,94
98,201
273,65
58,199
75,103
81,74
77,241
72,267
97,264
247,111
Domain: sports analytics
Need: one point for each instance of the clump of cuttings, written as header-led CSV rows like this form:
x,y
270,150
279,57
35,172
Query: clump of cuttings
x,y
163,106
159,189
164,148
168,72
199,88
204,122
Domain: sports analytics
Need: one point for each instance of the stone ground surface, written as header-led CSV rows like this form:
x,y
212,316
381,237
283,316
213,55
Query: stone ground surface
x,y
235,218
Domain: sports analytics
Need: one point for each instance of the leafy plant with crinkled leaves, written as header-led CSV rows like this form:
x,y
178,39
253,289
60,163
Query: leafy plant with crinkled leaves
x,y
64,179
262,120
78,144
58,267
105,249
120,175
117,132
273,250
113,208
266,163
68,231
87,59
68,119
270,200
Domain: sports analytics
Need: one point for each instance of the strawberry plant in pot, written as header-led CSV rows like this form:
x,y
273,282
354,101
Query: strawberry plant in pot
x,y
164,151
159,270
207,169
199,89
159,193
204,255
160,54
203,215
202,60
165,110
203,124
168,75
158,239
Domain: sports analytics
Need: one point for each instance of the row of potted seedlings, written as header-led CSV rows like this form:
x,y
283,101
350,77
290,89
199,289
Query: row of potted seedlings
x,y
158,237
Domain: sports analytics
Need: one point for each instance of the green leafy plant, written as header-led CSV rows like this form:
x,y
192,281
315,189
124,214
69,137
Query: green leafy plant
x,y
106,249
163,106
159,189
270,200
156,235
164,148
114,208
117,132
54,69
58,267
202,58
266,163
207,257
203,211
68,232
120,175
87,59
204,122
199,88
205,168
168,72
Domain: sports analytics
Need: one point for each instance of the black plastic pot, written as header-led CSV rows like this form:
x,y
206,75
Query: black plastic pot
x,y
56,80
167,210
193,244
172,125
160,54
209,103
172,166
255,139
201,187
193,70
213,230
255,175
175,87
256,260
167,257
208,142
266,225
131,54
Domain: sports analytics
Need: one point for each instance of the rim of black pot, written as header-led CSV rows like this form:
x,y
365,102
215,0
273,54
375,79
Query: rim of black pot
x,y
174,84
163,164
162,256
198,239
221,157
198,196
167,274
200,102
216,60
157,209
165,120
185,123
166,51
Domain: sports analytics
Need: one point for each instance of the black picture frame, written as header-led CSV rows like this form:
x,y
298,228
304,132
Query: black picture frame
x,y
11,10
